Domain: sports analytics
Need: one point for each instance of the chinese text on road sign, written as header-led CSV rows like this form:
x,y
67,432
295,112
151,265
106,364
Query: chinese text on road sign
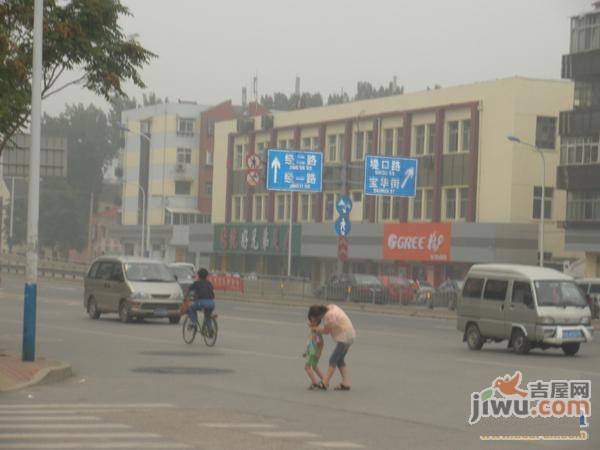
x,y
390,176
289,170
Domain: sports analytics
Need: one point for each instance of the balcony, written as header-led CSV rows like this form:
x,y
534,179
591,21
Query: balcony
x,y
581,66
580,122
578,177
583,211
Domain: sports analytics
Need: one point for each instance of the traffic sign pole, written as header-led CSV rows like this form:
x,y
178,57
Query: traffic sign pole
x,y
290,235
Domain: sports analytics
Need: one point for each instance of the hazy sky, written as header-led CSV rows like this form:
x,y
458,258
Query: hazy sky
x,y
208,50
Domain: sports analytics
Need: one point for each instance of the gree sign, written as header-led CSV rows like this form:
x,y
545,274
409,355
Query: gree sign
x,y
261,239
417,242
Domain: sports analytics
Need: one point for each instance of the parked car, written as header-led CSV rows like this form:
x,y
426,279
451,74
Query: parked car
x,y
132,288
591,288
424,292
399,289
184,274
448,292
353,287
527,305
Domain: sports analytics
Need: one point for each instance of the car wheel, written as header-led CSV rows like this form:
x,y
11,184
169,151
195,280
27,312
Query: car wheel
x,y
92,309
124,315
520,343
174,319
571,348
474,338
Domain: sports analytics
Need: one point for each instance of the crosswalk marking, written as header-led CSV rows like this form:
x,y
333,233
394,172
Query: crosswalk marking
x,y
25,412
88,405
94,445
69,426
49,418
286,434
336,444
238,425
24,436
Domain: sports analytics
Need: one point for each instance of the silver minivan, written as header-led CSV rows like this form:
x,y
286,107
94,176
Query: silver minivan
x,y
527,305
132,288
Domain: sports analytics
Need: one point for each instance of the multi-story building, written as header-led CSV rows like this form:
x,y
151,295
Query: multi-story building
x,y
579,170
480,191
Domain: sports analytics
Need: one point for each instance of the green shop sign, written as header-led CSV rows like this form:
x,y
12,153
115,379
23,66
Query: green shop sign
x,y
259,239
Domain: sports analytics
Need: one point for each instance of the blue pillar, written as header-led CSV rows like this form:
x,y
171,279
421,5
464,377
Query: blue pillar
x,y
29,312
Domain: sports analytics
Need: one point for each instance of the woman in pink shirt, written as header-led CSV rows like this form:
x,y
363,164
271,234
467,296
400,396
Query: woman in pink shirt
x,y
332,320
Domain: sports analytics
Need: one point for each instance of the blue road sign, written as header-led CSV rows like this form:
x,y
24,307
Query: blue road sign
x,y
291,170
385,175
343,226
344,205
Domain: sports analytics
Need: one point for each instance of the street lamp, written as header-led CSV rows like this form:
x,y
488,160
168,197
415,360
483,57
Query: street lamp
x,y
516,140
145,220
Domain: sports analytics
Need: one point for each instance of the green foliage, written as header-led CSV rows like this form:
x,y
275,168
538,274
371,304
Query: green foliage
x,y
281,102
81,35
365,90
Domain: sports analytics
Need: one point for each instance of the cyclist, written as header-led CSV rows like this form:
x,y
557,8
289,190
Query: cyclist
x,y
203,296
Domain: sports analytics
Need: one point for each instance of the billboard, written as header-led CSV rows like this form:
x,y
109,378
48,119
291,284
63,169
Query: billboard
x,y
417,242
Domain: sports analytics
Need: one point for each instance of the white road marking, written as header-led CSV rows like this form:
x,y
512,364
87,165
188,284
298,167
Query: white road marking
x,y
336,444
238,425
27,436
93,445
70,426
86,405
48,418
285,434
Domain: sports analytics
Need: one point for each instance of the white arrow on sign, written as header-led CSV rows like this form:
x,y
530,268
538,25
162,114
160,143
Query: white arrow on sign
x,y
342,204
275,165
410,173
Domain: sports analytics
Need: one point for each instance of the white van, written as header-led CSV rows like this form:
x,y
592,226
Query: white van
x,y
527,305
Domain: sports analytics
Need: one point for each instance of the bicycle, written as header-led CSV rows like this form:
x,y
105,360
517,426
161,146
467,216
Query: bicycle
x,y
209,334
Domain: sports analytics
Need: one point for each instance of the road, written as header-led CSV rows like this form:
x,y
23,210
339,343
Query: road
x,y
139,386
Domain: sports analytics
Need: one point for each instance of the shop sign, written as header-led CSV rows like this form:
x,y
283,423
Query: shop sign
x,y
258,239
417,242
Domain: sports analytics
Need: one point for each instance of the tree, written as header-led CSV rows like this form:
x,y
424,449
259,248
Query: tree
x,y
336,99
81,35
281,102
365,90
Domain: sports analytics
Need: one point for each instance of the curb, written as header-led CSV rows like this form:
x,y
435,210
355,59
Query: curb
x,y
45,375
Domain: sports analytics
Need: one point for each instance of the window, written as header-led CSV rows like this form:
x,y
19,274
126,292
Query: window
x,y
340,145
420,139
587,94
261,149
315,143
466,136
452,137
417,205
332,153
388,147
537,202
359,150
399,141
305,208
583,205
356,196
521,292
183,187
585,33
429,204
495,290
282,207
238,208
306,143
396,208
260,206
185,126
209,158
464,199
450,203
284,143
385,208
93,270
369,145
431,139
184,156
329,206
545,133
208,188
473,288
579,150
239,157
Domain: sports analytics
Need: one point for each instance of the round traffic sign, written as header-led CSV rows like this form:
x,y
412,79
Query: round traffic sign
x,y
253,162
252,178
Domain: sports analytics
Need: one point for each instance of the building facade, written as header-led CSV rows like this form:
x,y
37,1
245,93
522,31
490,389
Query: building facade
x,y
477,189
579,170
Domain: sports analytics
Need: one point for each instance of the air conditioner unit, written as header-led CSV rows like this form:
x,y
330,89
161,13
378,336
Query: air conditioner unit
x,y
245,125
180,168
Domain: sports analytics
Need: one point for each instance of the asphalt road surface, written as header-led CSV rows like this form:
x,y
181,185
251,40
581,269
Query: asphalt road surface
x,y
139,385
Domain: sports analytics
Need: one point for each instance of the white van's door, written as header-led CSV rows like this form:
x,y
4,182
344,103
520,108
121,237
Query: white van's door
x,y
492,308
521,310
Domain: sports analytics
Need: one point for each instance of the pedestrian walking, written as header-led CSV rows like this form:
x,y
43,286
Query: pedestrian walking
x,y
332,320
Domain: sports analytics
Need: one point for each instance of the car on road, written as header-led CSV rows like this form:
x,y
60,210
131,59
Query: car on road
x,y
184,273
448,292
400,289
354,287
131,287
591,288
529,306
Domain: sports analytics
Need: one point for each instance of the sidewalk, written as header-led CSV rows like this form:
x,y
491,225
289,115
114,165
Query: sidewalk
x,y
16,374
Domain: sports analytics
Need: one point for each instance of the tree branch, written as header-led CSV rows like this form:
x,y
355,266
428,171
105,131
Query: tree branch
x,y
44,96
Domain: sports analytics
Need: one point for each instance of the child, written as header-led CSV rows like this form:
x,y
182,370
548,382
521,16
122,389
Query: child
x,y
312,355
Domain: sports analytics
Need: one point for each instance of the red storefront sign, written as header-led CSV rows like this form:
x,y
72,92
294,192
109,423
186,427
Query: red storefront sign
x,y
227,283
417,241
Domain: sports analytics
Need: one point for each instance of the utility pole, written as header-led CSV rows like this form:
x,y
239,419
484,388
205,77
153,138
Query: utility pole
x,y
12,213
33,210
90,226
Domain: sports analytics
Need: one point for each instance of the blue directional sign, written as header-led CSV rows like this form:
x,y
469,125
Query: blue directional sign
x,y
385,175
343,226
291,170
343,205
